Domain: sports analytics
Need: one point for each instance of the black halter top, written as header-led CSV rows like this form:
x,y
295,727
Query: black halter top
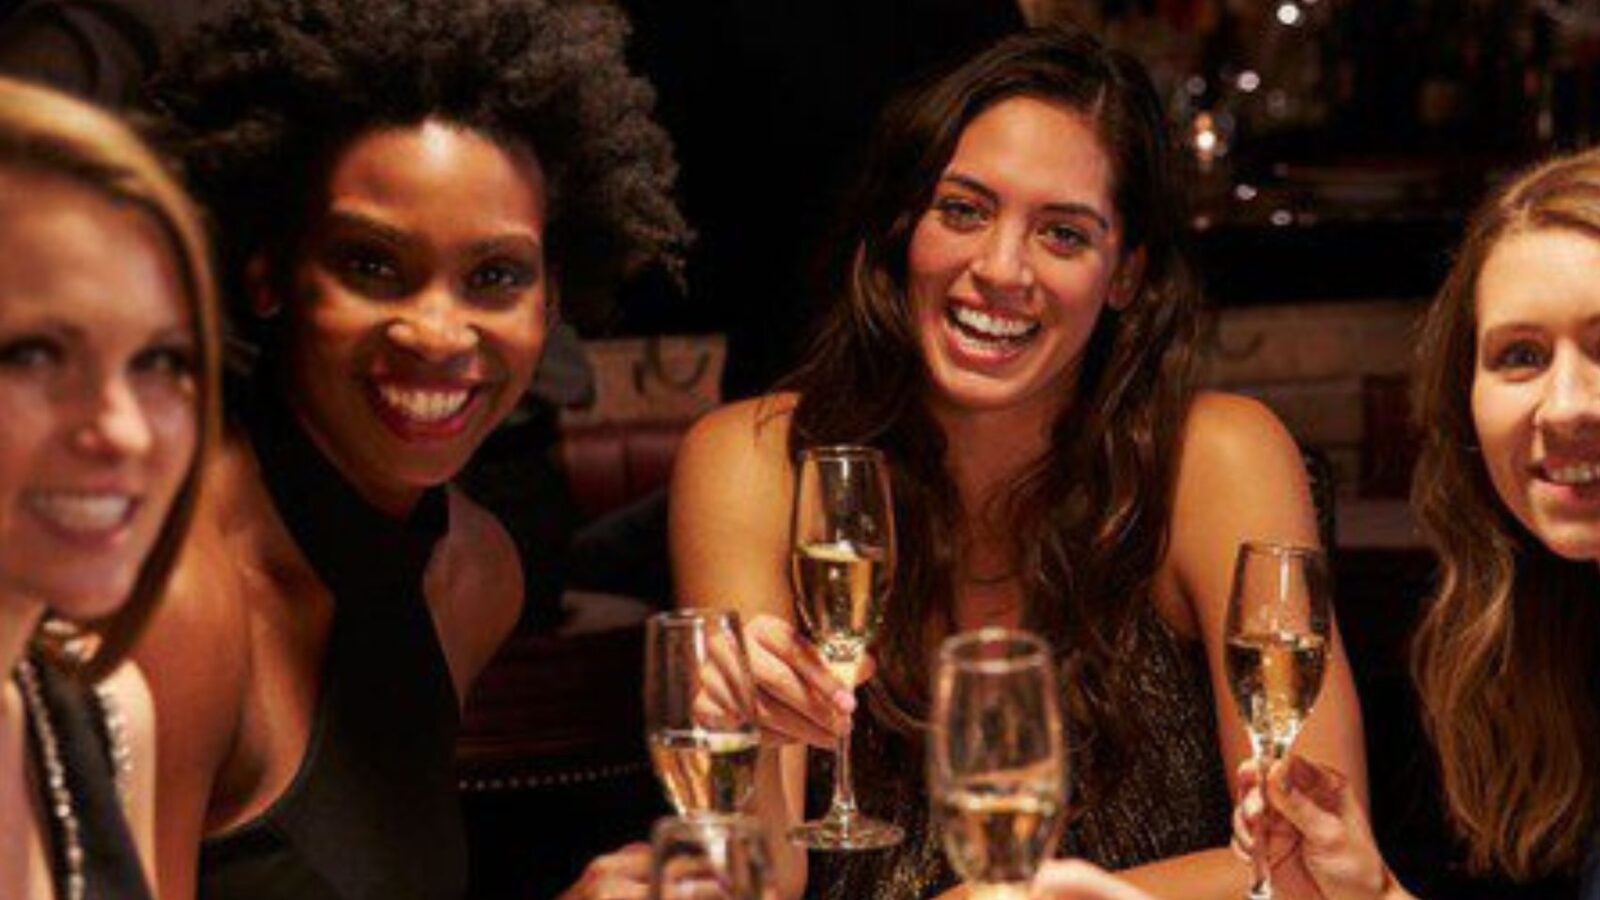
x,y
110,863
372,811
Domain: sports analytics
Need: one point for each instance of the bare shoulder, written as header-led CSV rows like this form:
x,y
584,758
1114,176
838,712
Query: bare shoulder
x,y
474,587
751,434
1240,477
1227,432
729,507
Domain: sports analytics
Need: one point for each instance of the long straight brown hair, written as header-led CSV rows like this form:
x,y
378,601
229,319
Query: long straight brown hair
x,y
1091,514
45,131
1505,656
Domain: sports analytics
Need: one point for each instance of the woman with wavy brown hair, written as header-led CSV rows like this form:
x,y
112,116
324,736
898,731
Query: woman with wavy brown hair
x,y
1015,332
1508,492
108,371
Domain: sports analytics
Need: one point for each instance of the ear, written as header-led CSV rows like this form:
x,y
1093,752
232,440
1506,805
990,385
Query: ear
x,y
1127,280
258,283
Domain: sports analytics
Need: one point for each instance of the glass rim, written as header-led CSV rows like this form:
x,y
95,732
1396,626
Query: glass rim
x,y
684,615
701,820
1281,548
842,451
1035,649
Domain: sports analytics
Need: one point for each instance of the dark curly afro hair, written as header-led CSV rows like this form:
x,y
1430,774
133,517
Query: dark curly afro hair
x,y
259,101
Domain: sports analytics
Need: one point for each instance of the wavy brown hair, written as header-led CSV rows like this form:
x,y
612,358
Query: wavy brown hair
x,y
1091,514
48,132
1504,657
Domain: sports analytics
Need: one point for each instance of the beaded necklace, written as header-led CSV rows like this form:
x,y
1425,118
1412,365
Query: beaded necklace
x,y
55,776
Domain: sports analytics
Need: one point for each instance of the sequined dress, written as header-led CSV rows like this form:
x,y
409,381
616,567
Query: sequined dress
x,y
1173,799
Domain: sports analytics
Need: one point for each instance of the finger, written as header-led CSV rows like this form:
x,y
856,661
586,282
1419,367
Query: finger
x,y
780,682
1316,810
780,639
1247,776
782,724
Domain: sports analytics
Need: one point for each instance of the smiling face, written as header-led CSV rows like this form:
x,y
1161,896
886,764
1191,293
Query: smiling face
x,y
1536,388
1015,257
419,307
97,393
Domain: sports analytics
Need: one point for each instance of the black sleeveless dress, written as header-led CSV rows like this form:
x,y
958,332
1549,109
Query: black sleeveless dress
x,y
1172,800
110,862
373,812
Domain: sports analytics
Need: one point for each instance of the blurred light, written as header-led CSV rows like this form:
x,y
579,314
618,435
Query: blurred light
x,y
1245,192
1249,81
1289,14
1281,217
1206,141
1195,85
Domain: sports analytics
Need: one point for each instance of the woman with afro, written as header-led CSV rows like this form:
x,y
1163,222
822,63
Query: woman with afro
x,y
397,190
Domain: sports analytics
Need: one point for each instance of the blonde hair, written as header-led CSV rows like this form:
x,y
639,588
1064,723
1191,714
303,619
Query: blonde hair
x,y
44,131
1504,655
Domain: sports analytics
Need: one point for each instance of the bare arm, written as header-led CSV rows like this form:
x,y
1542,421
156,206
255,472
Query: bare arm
x,y
729,533
1240,478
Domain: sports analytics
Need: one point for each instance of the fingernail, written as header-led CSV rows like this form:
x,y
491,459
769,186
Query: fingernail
x,y
846,701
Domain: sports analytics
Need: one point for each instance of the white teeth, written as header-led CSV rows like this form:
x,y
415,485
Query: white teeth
x,y
424,405
82,512
994,327
1577,473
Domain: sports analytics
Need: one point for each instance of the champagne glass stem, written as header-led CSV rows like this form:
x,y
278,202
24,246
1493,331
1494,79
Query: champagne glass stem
x,y
1261,882
844,791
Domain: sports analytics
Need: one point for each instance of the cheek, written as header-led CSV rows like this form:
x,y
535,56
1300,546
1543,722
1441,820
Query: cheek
x,y
933,258
177,437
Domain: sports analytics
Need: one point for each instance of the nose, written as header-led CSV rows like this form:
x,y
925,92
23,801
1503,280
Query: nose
x,y
1002,263
436,327
113,423
1571,400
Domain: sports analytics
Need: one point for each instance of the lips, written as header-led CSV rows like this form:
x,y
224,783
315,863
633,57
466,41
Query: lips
x,y
83,515
986,336
425,411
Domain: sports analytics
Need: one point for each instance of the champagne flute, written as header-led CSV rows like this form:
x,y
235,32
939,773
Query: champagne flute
x,y
709,857
1277,645
700,712
843,565
997,765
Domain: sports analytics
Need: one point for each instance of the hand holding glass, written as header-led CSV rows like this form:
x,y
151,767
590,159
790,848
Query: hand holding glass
x,y
843,564
997,765
1277,635
700,710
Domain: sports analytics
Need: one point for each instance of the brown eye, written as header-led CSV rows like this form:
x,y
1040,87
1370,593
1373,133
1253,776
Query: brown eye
x,y
959,214
1519,356
172,362
368,268
1063,239
501,275
30,354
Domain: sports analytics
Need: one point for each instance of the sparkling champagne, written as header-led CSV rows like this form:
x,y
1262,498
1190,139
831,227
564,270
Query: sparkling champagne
x,y
842,588
1275,678
705,771
998,834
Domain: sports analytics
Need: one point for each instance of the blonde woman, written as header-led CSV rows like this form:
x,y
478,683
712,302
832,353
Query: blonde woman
x,y
108,358
1508,491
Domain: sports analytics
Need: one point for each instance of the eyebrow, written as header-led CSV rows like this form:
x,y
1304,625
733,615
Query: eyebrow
x,y
1071,209
341,218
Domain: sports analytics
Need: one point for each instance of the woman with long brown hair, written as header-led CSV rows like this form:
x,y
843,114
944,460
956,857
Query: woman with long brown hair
x,y
1015,332
108,370
1507,489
